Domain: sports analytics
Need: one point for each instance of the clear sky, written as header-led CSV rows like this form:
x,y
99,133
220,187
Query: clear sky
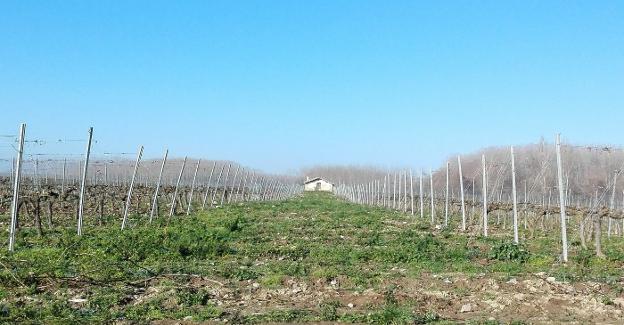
x,y
279,85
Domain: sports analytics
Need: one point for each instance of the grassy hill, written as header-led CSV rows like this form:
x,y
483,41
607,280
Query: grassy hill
x,y
312,258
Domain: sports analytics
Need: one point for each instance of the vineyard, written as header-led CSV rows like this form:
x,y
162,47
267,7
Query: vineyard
x,y
498,236
550,200
62,197
324,162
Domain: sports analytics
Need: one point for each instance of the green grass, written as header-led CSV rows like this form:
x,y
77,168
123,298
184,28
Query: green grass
x,y
309,238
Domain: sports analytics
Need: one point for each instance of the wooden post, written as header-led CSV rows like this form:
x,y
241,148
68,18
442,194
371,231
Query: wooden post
x,y
208,184
155,200
622,219
412,191
404,191
129,198
432,198
485,207
259,187
64,172
214,192
271,190
562,200
265,187
249,187
373,185
229,198
394,186
383,192
622,233
227,174
256,188
36,174
188,208
514,197
446,198
16,186
360,195
474,199
84,183
461,190
253,174
612,204
398,206
379,194
175,191
374,192
526,200
240,183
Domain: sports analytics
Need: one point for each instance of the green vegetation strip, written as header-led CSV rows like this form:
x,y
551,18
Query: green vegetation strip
x,y
316,237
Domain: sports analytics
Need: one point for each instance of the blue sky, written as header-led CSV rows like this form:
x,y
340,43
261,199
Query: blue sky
x,y
279,85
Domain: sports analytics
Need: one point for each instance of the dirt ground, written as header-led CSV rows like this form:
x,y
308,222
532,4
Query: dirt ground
x,y
534,299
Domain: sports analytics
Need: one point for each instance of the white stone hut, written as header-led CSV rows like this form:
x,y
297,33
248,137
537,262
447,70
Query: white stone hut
x,y
317,184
